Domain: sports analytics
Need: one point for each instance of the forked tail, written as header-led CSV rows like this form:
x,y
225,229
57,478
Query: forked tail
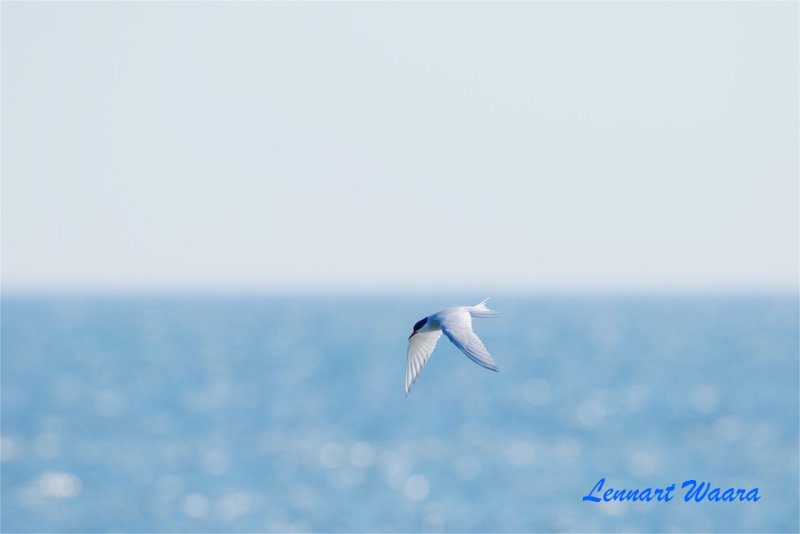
x,y
481,310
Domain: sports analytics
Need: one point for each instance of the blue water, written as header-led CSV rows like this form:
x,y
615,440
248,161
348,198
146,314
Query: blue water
x,y
288,414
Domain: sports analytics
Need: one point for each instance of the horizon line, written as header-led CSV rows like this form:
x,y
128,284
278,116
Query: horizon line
x,y
401,292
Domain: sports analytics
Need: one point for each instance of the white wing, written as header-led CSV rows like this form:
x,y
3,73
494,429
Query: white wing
x,y
420,347
457,326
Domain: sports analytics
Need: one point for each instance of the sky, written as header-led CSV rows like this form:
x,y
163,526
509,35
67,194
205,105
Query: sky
x,y
400,147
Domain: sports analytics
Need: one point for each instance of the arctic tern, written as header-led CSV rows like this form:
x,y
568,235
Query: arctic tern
x,y
456,323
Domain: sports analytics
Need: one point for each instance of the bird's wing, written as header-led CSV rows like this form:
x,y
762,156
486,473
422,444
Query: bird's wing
x,y
420,347
457,326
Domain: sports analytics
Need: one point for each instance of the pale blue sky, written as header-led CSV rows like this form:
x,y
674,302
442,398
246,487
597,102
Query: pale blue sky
x,y
400,146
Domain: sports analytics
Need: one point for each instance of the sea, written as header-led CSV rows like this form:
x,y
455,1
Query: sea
x,y
288,414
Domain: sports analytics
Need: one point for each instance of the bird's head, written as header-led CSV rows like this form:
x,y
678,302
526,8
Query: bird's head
x,y
418,326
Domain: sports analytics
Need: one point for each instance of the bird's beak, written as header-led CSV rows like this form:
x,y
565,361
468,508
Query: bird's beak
x,y
414,333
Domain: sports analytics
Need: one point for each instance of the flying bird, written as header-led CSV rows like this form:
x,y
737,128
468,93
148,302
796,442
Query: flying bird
x,y
456,323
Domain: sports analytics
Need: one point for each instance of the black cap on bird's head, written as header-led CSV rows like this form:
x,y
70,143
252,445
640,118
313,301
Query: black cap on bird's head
x,y
419,324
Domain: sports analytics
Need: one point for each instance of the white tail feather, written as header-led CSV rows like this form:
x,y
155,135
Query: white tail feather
x,y
481,310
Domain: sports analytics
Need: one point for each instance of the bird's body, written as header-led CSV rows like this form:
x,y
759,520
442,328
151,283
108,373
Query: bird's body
x,y
456,324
